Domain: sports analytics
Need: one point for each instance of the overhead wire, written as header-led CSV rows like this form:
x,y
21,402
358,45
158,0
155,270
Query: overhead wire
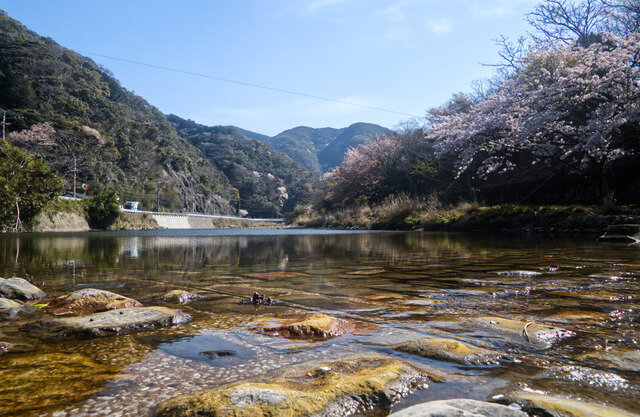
x,y
249,84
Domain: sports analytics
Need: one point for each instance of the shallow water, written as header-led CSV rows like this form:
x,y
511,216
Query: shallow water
x,y
395,286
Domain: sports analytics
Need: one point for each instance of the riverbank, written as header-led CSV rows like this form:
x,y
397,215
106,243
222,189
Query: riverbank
x,y
69,216
406,214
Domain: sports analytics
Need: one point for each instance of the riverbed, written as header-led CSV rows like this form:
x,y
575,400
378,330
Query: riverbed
x,y
395,287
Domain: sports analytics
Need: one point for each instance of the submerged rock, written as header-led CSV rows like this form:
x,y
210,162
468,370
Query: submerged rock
x,y
622,359
449,350
459,408
89,300
586,376
34,383
8,308
180,296
524,332
20,289
536,403
107,323
337,389
313,326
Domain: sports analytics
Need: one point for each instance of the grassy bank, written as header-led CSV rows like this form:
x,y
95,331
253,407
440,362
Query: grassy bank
x,y
405,213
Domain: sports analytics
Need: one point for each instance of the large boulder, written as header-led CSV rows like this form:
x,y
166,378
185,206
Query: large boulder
x,y
89,300
449,350
337,389
312,326
459,408
521,331
19,289
548,405
112,322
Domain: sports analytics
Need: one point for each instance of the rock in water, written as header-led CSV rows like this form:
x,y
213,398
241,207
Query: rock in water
x,y
107,323
19,288
8,308
313,326
459,408
622,359
535,403
449,350
180,296
520,331
337,389
89,300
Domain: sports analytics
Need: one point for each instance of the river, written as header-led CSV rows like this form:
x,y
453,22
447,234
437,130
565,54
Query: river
x,y
394,285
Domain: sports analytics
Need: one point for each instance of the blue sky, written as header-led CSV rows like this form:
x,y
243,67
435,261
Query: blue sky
x,y
403,55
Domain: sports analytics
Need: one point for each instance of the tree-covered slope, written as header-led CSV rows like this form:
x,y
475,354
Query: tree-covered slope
x,y
268,181
321,150
63,106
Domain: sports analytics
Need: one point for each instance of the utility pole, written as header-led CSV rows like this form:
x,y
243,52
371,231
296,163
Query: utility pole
x,y
75,169
158,194
4,122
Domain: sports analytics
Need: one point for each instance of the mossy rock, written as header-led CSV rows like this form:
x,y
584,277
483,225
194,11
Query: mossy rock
x,y
542,404
339,388
108,323
180,296
89,300
449,350
36,383
521,331
312,326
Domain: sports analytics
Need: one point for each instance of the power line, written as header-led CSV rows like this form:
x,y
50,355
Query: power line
x,y
248,84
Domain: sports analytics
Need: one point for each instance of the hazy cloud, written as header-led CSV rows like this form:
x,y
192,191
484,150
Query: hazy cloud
x,y
439,26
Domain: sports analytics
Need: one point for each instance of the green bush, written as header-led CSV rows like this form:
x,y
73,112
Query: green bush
x,y
103,209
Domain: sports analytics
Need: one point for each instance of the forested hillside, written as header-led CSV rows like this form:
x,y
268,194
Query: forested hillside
x,y
319,149
268,181
559,123
65,108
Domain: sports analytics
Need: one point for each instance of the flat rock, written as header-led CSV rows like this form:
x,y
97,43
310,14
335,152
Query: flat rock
x,y
449,350
622,359
19,289
569,316
595,295
312,326
533,402
337,389
180,296
539,334
89,300
108,323
459,408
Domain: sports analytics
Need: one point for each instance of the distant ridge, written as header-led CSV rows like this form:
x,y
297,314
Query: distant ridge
x,y
318,149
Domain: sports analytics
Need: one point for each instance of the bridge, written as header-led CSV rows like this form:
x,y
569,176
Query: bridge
x,y
192,220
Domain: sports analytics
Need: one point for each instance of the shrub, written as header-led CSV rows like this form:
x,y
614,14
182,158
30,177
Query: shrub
x,y
103,209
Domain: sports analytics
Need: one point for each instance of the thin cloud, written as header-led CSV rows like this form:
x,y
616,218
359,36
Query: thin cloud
x,y
439,26
319,4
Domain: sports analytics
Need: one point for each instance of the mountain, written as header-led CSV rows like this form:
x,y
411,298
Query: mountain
x,y
68,109
320,149
268,181
250,134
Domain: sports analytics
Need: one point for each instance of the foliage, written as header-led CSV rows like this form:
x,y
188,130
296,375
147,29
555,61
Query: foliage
x,y
559,124
102,209
27,184
269,183
69,110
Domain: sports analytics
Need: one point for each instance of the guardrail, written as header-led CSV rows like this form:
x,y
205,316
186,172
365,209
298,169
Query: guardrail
x,y
209,216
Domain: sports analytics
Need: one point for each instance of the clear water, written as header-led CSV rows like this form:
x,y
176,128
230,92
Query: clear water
x,y
395,286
